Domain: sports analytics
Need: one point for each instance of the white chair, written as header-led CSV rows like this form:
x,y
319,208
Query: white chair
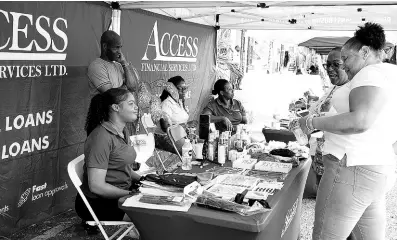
x,y
146,120
176,133
75,171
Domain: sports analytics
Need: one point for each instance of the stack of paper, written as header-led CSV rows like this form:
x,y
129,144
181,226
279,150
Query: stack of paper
x,y
238,180
225,191
273,166
272,185
134,202
244,163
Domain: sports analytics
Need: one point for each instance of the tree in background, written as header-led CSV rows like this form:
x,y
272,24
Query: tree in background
x,y
228,67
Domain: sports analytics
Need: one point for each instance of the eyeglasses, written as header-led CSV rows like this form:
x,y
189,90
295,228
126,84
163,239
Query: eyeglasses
x,y
388,49
334,65
182,89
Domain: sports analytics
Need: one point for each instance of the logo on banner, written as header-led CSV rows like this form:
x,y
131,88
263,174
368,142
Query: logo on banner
x,y
170,47
39,191
290,216
49,51
16,46
24,197
4,210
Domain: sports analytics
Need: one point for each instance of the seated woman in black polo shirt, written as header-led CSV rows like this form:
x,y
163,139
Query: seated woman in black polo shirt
x,y
225,111
109,158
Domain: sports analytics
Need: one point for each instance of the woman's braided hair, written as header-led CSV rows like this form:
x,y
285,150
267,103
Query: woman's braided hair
x,y
99,109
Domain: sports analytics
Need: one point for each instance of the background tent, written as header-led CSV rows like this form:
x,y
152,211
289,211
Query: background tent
x,y
323,45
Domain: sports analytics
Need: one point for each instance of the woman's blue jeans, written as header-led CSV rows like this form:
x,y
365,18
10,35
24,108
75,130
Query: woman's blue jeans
x,y
350,199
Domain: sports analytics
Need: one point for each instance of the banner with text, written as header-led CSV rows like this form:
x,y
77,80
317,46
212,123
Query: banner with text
x,y
45,48
161,47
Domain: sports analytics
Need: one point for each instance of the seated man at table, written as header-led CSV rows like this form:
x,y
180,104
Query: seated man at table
x,y
225,111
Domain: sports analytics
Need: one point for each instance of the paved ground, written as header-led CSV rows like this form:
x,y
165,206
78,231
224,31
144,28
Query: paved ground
x,y
262,94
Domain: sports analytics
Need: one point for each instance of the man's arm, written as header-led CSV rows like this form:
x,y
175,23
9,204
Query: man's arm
x,y
130,74
131,77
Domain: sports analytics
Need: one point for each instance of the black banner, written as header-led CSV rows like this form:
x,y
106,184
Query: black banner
x,y
45,49
161,47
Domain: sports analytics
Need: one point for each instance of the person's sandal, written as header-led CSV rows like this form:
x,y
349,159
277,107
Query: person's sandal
x,y
90,230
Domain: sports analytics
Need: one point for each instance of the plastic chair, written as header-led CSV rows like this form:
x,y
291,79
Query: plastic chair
x,y
176,133
75,171
146,120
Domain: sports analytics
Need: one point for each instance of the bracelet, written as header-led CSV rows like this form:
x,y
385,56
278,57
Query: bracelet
x,y
309,123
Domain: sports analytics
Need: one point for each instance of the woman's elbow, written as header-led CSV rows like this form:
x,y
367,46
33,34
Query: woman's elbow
x,y
95,188
362,123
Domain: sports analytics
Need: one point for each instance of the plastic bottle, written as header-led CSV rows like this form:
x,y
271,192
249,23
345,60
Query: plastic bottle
x,y
226,143
198,149
238,144
187,150
244,138
215,139
210,148
221,152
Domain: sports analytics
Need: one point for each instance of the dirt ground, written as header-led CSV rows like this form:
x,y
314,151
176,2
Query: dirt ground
x,y
64,226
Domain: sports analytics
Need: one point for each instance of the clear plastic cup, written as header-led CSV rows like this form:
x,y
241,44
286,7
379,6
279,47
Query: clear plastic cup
x,y
300,136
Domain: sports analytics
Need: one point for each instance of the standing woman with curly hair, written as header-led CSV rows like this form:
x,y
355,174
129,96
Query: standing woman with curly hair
x,y
360,161
109,158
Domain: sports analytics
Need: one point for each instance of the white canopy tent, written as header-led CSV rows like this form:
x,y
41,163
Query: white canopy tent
x,y
293,21
276,15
